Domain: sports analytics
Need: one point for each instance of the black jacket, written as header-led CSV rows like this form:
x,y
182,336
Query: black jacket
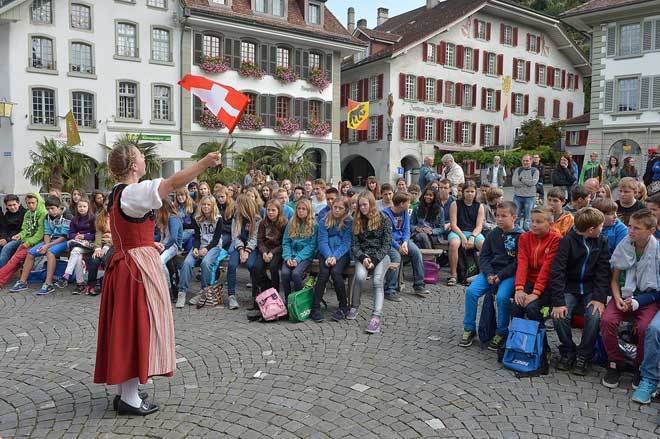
x,y
374,244
10,223
563,176
499,254
581,266
648,174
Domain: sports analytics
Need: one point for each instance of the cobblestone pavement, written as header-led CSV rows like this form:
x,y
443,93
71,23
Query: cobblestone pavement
x,y
317,380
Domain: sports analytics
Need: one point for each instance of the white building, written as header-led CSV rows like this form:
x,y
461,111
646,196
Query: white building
x,y
113,63
445,68
625,91
269,36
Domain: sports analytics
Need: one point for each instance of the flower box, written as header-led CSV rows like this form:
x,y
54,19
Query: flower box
x,y
214,64
318,128
250,122
317,78
210,121
250,70
286,127
285,75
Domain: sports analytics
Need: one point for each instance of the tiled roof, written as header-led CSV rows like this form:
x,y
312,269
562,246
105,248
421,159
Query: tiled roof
x,y
579,120
599,5
242,10
379,35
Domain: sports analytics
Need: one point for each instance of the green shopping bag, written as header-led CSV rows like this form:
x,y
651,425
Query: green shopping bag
x,y
299,304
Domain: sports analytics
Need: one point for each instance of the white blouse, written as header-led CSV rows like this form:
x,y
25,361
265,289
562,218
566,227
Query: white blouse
x,y
139,198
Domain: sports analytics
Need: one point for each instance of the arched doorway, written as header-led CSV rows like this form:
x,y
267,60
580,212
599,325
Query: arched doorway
x,y
410,166
627,148
356,170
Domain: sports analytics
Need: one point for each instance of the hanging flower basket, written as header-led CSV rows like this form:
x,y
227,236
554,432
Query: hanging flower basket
x,y
287,127
210,121
214,64
317,78
250,70
318,128
285,75
250,122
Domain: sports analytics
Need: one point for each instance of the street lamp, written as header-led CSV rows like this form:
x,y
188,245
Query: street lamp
x,y
6,109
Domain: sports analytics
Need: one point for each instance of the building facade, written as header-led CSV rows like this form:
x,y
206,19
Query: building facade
x,y
575,136
455,75
625,91
286,55
112,63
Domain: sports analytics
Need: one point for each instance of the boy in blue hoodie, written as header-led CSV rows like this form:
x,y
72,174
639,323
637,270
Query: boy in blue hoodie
x,y
498,262
613,228
56,231
403,246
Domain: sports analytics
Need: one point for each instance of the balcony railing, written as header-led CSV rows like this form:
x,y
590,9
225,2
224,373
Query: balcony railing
x,y
38,63
157,55
77,68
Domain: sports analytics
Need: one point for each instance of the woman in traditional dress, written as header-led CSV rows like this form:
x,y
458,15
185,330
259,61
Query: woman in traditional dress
x,y
136,330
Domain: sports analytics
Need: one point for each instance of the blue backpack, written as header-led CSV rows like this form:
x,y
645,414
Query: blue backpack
x,y
524,345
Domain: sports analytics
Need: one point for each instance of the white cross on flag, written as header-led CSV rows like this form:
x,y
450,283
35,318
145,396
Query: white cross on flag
x,y
223,101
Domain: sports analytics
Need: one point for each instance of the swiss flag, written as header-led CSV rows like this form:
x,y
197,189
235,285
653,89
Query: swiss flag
x,y
222,100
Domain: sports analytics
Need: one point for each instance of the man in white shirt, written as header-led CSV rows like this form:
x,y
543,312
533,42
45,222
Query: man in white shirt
x,y
452,172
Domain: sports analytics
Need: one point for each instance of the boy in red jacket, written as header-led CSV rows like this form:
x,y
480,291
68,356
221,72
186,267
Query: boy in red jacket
x,y
536,251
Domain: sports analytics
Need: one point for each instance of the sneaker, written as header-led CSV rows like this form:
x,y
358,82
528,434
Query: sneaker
x,y
466,340
581,366
352,314
233,303
193,300
248,285
565,362
45,290
637,376
422,292
62,282
338,315
180,300
612,376
496,342
394,297
80,288
18,286
317,316
374,325
645,391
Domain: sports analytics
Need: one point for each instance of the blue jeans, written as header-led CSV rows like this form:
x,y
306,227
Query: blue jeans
x,y
567,346
234,262
8,251
295,275
525,206
191,262
417,262
480,287
649,367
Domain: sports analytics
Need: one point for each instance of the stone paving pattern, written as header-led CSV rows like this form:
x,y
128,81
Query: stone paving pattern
x,y
329,380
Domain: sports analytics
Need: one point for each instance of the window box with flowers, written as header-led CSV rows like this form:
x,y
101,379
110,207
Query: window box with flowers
x,y
286,126
214,64
210,121
285,75
249,69
317,78
318,128
250,122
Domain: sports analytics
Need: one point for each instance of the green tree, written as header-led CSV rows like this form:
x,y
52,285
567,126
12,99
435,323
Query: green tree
x,y
534,133
149,150
57,166
213,175
291,162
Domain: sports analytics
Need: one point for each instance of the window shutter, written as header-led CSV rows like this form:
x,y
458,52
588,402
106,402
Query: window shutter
x,y
528,69
272,62
263,109
538,44
537,73
482,135
304,118
304,64
327,113
550,76
496,136
297,111
576,80
488,31
264,57
474,95
403,128
437,54
476,28
475,60
359,90
657,35
514,74
379,88
460,57
609,96
458,92
342,131
515,37
500,64
526,105
236,55
402,85
501,33
458,134
473,136
420,128
229,51
198,46
380,127
425,52
513,103
656,92
272,110
421,88
328,66
297,62
611,40
438,91
555,109
528,41
583,137
483,98
563,78
568,138
443,52
344,95
498,100
540,107
645,92
365,89
569,110
647,36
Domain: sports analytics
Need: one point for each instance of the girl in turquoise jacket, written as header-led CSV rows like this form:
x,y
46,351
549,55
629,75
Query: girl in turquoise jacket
x,y
298,247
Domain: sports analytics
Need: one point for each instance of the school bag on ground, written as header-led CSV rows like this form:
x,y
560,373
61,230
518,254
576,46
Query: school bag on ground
x,y
212,295
431,272
468,265
488,317
524,349
271,305
299,304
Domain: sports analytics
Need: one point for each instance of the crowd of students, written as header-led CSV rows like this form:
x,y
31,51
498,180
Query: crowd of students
x,y
592,252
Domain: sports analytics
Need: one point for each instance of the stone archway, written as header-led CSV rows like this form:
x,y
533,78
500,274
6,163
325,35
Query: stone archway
x,y
627,148
356,169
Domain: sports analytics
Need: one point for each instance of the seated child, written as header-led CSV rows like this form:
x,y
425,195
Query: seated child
x,y
414,190
613,229
386,194
653,203
497,262
466,216
427,220
298,193
298,247
638,257
56,230
580,197
330,196
493,197
82,232
283,198
10,226
627,202
580,275
562,220
102,252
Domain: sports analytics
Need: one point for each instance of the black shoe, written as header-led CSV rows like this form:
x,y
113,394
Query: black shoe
x,y
317,316
466,340
338,315
612,376
636,378
146,408
115,401
581,366
565,362
394,297
253,315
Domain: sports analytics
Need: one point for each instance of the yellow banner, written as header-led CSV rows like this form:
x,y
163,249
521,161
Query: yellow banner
x,y
72,134
358,115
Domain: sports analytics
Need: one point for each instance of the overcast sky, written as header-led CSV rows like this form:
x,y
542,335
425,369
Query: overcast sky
x,y
367,8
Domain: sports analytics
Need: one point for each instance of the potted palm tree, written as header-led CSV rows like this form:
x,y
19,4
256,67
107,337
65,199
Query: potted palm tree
x,y
291,162
149,150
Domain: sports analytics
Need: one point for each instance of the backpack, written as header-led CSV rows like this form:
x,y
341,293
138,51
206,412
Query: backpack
x,y
468,265
271,304
431,272
524,350
299,304
488,317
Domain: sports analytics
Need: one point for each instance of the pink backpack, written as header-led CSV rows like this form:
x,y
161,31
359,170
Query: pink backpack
x,y
271,304
430,272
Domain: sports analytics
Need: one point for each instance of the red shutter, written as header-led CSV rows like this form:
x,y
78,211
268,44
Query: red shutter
x,y
569,110
500,64
563,78
379,91
475,60
501,33
421,88
473,138
488,31
496,137
513,103
568,137
476,28
365,89
425,52
402,128
380,127
555,109
474,95
457,131
459,94
514,75
528,69
538,44
583,137
537,73
498,100
438,91
420,128
460,57
515,37
483,98
526,105
528,41
485,66
402,86
342,98
482,134
437,54
576,78
550,76
360,90
439,129
540,107
443,53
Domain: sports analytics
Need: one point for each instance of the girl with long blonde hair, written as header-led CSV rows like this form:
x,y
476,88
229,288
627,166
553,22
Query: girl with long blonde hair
x,y
226,208
185,208
298,247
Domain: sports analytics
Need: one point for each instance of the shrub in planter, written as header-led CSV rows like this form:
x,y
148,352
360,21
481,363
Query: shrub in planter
x,y
209,120
287,126
250,122
214,64
250,70
318,128
317,78
285,75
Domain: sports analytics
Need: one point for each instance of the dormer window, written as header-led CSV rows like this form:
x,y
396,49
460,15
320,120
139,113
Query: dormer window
x,y
276,8
314,13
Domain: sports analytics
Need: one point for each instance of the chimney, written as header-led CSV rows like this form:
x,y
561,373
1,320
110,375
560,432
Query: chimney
x,y
430,4
351,20
383,15
362,23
